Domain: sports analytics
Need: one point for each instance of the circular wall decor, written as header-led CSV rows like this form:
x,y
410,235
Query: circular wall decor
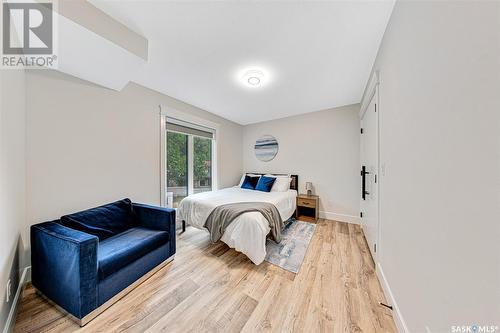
x,y
266,148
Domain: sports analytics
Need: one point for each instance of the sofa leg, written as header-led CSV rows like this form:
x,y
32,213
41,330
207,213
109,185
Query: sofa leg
x,y
183,226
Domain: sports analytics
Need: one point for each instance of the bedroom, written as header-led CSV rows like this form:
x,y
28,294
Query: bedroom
x,y
227,78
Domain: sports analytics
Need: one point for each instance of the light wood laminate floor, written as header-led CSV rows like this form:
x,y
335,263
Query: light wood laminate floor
x,y
209,287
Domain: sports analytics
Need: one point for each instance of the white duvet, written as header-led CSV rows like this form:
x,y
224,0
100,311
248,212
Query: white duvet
x,y
247,233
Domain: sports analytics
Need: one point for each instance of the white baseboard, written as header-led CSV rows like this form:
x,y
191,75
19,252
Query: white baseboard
x,y
396,313
11,319
340,217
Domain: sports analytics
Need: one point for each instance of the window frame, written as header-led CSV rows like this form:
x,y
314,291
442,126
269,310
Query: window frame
x,y
165,113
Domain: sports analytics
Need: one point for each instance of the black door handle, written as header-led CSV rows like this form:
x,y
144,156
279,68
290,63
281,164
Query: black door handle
x,y
363,182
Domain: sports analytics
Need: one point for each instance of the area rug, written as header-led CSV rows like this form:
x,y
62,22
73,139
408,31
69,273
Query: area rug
x,y
290,253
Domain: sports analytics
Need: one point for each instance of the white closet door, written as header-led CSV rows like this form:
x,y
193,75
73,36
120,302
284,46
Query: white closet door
x,y
369,175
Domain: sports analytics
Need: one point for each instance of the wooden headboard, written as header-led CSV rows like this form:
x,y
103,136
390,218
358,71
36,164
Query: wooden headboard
x,y
294,184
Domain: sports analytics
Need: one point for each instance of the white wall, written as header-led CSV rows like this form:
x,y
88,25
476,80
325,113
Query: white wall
x,y
88,145
440,144
13,231
321,147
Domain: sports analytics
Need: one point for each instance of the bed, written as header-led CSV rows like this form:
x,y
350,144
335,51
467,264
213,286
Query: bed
x,y
248,232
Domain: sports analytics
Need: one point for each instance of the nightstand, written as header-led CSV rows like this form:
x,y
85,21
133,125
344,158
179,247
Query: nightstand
x,y
307,208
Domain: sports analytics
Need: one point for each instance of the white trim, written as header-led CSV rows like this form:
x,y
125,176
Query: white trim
x,y
369,92
190,164
396,313
163,159
380,246
215,183
9,324
339,217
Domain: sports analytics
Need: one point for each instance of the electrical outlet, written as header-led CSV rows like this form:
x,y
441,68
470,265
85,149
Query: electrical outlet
x,y
7,292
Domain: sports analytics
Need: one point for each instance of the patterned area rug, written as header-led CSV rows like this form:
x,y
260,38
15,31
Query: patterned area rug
x,y
290,253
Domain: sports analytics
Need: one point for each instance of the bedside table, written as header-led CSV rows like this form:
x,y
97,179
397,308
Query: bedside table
x,y
307,208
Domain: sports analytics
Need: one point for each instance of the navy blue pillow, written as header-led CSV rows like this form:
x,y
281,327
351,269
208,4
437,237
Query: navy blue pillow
x,y
250,182
104,221
265,184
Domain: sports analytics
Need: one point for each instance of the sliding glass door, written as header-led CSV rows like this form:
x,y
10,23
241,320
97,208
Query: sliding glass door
x,y
177,167
202,164
189,156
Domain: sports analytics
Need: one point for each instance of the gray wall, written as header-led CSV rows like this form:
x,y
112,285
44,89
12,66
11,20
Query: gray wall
x,y
439,131
87,145
13,231
321,147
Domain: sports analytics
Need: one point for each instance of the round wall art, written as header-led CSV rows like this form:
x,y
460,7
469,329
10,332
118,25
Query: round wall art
x,y
266,148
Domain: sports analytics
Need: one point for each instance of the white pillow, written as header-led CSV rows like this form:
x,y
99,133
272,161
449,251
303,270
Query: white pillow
x,y
243,177
281,184
241,180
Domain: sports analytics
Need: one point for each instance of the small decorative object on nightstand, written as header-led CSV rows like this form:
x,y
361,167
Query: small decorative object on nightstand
x,y
309,188
307,208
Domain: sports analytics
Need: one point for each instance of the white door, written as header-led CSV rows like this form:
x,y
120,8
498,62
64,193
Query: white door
x,y
369,175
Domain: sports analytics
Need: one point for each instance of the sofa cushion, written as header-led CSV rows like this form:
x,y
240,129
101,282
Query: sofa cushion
x,y
118,251
103,221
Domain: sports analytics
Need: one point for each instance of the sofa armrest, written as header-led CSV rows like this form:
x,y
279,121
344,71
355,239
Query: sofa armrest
x,y
64,266
157,218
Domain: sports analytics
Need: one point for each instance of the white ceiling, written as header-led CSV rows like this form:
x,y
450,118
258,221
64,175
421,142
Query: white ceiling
x,y
318,54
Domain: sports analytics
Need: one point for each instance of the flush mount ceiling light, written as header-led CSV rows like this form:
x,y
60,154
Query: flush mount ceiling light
x,y
253,78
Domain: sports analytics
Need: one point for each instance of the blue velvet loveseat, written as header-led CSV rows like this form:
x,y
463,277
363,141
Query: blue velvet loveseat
x,y
85,261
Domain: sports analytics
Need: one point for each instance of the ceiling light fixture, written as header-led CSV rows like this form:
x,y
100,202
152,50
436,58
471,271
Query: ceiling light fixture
x,y
253,78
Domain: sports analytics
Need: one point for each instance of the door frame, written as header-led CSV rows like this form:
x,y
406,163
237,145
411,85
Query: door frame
x,y
372,92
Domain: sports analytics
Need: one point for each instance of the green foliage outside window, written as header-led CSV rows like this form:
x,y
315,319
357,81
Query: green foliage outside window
x,y
176,159
177,144
202,161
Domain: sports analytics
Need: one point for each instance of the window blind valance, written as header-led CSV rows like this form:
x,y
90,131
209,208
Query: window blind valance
x,y
175,125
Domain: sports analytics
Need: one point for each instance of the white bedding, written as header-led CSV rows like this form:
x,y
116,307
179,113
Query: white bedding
x,y
247,233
